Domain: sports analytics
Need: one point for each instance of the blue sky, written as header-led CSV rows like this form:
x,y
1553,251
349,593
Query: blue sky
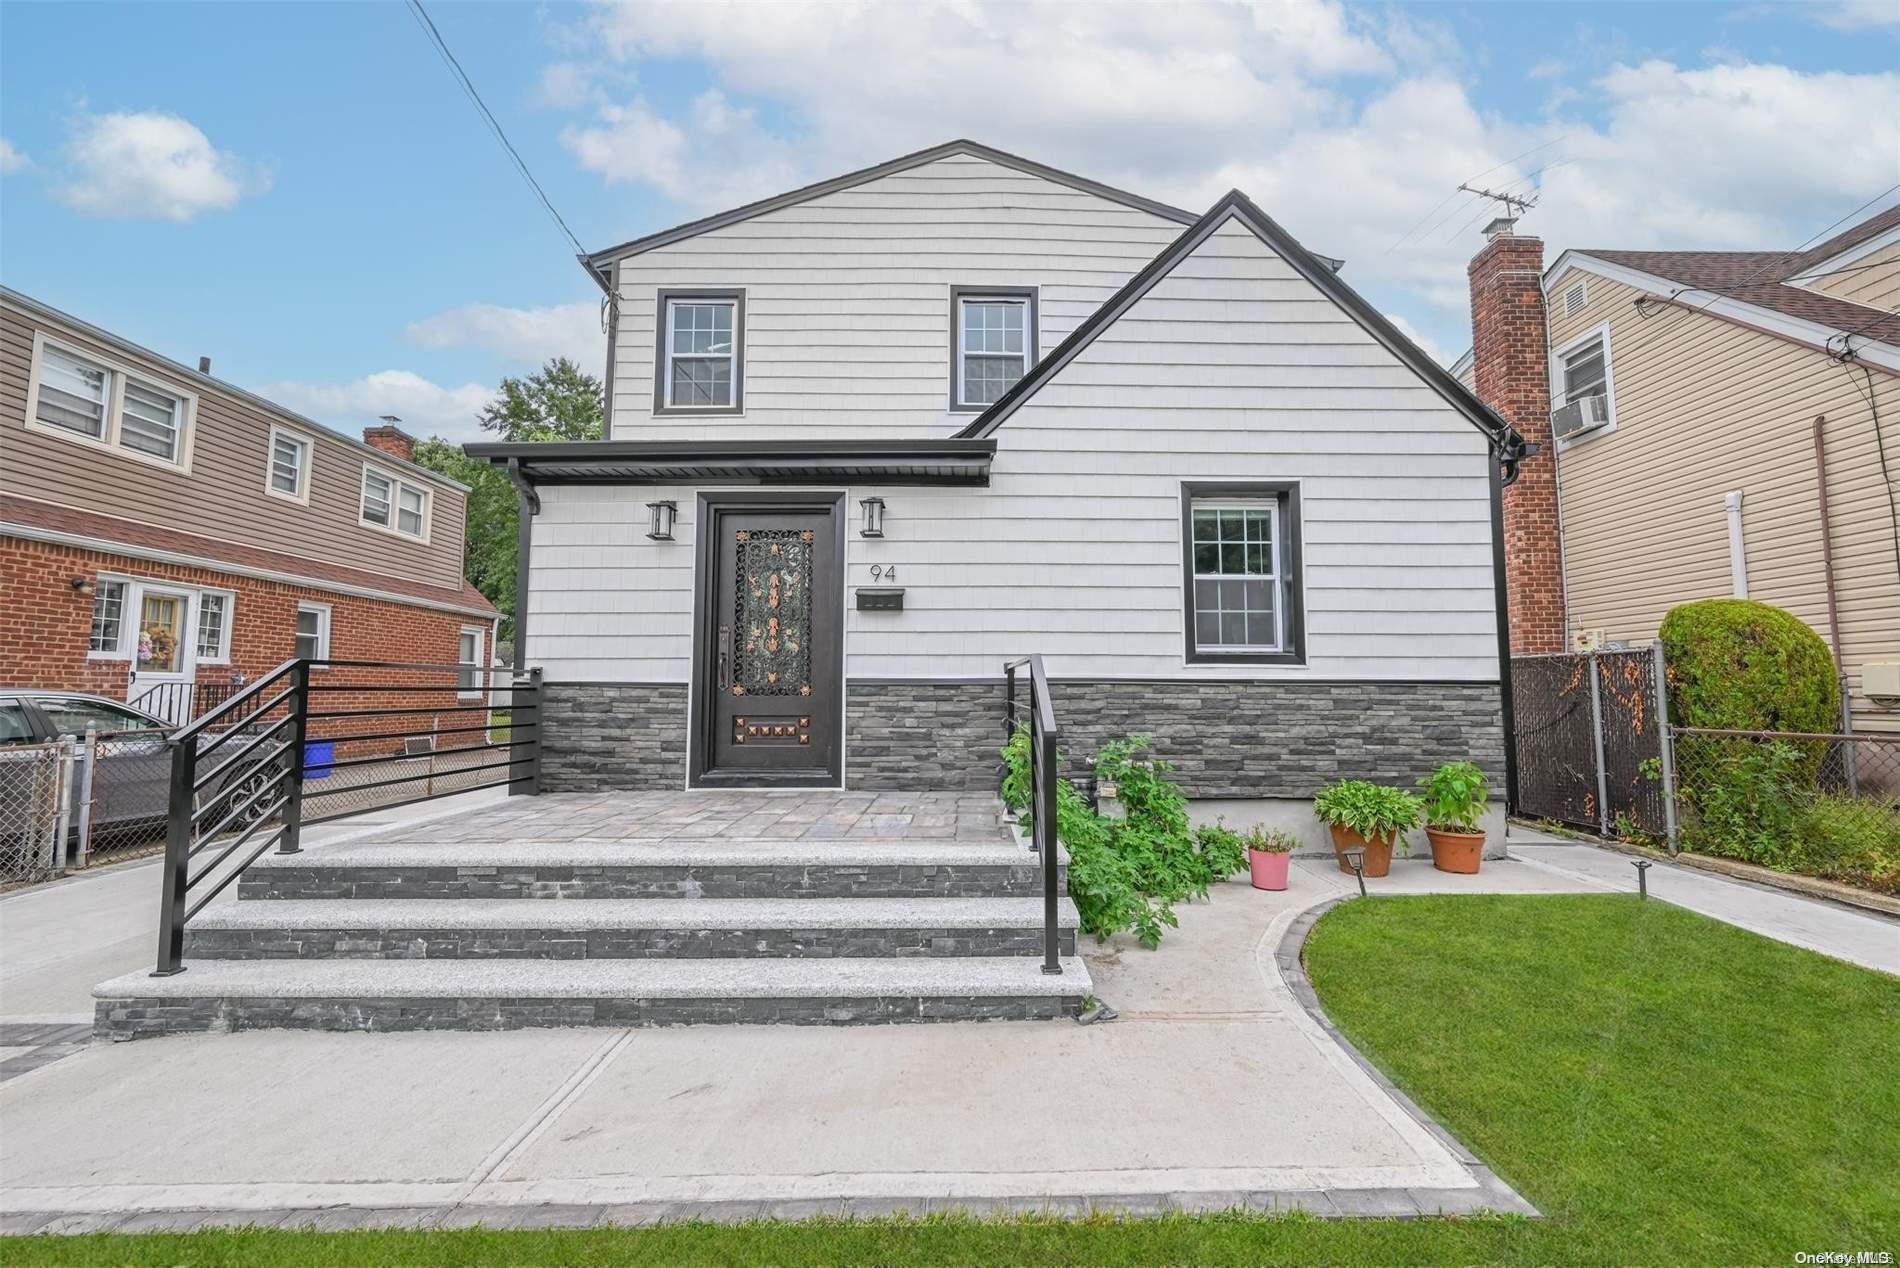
x,y
301,192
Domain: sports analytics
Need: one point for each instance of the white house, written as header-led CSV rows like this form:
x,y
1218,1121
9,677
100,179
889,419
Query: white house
x,y
872,438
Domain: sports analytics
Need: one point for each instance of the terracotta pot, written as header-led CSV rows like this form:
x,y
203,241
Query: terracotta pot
x,y
1378,851
1268,870
1456,851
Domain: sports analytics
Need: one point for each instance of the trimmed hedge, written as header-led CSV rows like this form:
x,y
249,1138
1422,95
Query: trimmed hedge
x,y
1740,665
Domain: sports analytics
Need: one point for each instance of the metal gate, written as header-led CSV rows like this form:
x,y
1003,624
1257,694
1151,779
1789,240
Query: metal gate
x,y
1590,744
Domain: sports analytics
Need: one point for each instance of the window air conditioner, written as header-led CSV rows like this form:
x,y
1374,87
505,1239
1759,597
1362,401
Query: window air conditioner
x,y
1584,414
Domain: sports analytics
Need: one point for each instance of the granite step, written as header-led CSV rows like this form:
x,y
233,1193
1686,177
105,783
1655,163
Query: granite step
x,y
608,928
635,869
384,995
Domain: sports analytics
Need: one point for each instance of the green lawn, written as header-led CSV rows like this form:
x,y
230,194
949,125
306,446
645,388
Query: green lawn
x,y
1666,1089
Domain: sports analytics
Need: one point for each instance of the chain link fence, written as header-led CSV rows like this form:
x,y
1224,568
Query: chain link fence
x,y
1589,740
1820,805
33,792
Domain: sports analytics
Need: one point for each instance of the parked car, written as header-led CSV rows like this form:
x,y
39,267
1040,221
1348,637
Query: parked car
x,y
131,782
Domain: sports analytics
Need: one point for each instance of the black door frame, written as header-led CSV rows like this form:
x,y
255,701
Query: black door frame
x,y
706,619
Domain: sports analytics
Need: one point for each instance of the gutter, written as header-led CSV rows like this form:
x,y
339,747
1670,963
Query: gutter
x,y
527,506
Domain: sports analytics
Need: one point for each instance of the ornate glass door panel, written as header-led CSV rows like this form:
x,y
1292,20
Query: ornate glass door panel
x,y
771,658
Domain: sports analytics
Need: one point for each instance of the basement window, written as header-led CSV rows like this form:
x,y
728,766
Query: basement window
x,y
1240,560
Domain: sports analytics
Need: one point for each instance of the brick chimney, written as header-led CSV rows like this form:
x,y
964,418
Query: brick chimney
x,y
1510,357
391,439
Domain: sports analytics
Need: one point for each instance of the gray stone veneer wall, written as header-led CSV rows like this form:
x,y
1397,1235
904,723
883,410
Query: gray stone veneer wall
x,y
1226,739
598,735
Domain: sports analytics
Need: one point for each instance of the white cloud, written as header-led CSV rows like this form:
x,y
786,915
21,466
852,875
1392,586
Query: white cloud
x,y
1426,343
1349,125
12,159
1848,15
151,164
524,335
425,408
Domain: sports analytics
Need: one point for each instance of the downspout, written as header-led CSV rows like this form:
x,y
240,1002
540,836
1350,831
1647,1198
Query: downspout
x,y
1827,543
528,505
1504,456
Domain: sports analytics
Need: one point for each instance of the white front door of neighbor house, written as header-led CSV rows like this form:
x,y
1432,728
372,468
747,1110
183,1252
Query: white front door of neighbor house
x,y
164,653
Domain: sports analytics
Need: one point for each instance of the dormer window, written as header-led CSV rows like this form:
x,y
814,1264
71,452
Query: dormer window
x,y
393,504
700,360
992,343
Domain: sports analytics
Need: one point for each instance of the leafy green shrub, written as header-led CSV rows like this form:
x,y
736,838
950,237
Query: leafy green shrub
x,y
1735,664
1372,810
1743,799
1127,873
1455,794
1851,839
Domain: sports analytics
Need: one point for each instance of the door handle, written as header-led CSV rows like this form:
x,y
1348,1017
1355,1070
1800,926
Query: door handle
x,y
725,658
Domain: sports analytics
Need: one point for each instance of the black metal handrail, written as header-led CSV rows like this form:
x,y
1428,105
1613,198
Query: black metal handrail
x,y
1043,774
263,792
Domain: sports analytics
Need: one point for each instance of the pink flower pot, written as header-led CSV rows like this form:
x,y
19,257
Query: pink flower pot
x,y
1269,870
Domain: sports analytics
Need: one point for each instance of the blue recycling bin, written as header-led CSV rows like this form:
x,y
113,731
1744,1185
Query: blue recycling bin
x,y
317,756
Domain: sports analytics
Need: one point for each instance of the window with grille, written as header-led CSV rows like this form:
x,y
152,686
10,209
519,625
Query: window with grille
x,y
701,352
992,344
213,622
1241,548
108,616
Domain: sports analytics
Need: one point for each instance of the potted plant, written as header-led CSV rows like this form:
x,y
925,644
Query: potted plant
x,y
1267,856
1454,814
1368,816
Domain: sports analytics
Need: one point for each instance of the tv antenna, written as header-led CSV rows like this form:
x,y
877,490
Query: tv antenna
x,y
1513,204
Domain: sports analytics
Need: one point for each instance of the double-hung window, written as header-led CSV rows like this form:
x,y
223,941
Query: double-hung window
x,y
1241,559
77,396
289,469
313,631
992,343
394,504
700,359
214,626
1581,370
468,654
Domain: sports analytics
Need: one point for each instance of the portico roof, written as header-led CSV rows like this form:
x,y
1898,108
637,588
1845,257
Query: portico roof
x,y
897,461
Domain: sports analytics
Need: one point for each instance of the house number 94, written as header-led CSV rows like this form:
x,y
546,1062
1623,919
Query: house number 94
x,y
881,573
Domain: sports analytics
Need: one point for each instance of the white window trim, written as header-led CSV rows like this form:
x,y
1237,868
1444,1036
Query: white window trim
x,y
1031,337
114,407
397,484
302,495
480,639
1276,506
125,585
224,633
734,360
323,629
1558,356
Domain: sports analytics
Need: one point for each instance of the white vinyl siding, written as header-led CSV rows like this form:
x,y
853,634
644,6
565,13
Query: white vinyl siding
x,y
847,322
1232,368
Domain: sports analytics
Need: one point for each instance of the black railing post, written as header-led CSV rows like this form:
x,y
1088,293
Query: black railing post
x,y
291,841
1046,828
526,781
178,826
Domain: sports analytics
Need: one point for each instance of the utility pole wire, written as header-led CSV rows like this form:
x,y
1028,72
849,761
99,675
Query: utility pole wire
x,y
1542,145
434,35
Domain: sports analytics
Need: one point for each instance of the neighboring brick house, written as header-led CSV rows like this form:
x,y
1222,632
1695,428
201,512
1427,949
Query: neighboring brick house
x,y
165,535
1725,423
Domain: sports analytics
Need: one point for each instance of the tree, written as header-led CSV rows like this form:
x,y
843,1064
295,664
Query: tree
x,y
558,402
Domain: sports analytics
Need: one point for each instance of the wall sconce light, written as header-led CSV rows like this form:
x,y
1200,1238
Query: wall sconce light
x,y
82,585
660,517
873,517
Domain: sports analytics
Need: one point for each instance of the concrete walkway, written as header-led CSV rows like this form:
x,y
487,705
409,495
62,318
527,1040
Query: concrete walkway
x,y
1862,938
579,1127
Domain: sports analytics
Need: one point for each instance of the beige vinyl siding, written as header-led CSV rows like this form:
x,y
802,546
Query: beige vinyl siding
x,y
847,296
222,496
1873,280
1231,368
1704,407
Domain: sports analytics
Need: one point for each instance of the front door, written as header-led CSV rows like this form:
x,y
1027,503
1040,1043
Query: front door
x,y
769,649
164,662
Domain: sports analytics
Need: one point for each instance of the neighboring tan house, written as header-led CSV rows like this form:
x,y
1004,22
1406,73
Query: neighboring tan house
x,y
164,535
1725,423
874,438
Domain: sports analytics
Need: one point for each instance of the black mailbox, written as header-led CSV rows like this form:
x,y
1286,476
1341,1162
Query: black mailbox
x,y
880,598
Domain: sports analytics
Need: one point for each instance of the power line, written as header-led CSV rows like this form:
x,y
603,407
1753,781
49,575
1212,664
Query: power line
x,y
429,29
1542,145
